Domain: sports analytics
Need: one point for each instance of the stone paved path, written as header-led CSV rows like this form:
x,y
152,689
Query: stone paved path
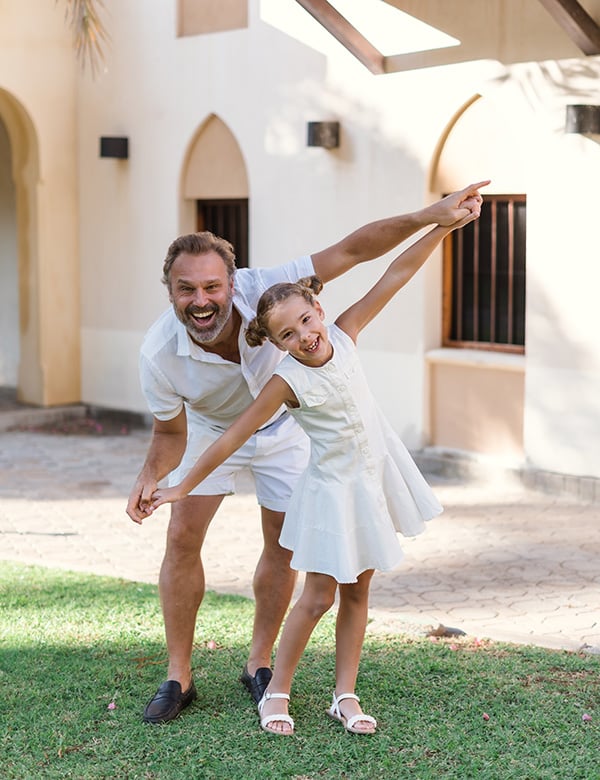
x,y
501,562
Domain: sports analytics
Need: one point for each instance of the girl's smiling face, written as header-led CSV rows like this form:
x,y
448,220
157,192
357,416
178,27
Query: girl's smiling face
x,y
296,326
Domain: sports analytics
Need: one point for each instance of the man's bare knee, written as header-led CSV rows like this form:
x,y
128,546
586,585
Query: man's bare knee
x,y
272,523
188,525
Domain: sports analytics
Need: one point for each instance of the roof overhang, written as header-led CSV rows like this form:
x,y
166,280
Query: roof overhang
x,y
505,30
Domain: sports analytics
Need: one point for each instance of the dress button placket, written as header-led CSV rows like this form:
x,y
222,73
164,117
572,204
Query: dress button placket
x,y
357,424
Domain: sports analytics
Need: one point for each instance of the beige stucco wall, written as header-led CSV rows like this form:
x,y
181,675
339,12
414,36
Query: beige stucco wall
x,y
37,105
210,16
522,121
264,82
476,398
477,402
215,167
562,421
303,199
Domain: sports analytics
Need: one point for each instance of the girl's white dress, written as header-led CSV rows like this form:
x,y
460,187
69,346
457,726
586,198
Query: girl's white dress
x,y
361,485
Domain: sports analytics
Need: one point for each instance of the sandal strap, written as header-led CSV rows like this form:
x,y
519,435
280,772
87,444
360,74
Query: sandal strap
x,y
342,696
268,719
275,717
335,707
358,718
266,696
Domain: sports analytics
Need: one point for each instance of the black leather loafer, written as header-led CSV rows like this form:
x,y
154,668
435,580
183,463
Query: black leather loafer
x,y
168,701
256,685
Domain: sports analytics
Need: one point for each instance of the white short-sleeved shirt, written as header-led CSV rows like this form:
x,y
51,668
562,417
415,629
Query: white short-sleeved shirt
x,y
175,371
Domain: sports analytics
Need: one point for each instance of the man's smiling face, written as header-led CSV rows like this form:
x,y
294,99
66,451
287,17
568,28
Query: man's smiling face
x,y
201,292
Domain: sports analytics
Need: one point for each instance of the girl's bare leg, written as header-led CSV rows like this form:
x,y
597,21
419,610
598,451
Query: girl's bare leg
x,y
350,632
317,597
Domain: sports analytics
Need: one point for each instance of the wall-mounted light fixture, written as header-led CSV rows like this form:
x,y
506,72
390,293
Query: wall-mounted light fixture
x,y
114,146
324,134
583,119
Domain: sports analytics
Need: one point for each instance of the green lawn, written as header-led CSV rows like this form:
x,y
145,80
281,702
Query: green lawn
x,y
73,645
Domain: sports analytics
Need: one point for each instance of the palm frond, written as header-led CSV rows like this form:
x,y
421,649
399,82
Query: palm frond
x,y
88,31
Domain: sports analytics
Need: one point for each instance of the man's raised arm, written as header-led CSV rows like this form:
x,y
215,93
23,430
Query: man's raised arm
x,y
377,238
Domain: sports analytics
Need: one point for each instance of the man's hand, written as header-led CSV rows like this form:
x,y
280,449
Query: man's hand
x,y
139,505
456,206
164,454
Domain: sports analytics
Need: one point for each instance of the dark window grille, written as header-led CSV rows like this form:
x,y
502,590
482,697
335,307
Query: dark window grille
x,y
227,218
484,278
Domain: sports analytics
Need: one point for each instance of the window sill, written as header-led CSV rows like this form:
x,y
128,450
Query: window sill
x,y
476,358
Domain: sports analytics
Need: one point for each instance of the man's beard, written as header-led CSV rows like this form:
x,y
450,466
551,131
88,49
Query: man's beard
x,y
206,335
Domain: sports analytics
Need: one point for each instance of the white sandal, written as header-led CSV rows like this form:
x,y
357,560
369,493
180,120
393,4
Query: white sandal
x,y
264,722
348,723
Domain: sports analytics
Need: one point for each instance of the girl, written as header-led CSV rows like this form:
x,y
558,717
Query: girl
x,y
361,486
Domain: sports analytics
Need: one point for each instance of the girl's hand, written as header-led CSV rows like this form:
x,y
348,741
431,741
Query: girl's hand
x,y
167,496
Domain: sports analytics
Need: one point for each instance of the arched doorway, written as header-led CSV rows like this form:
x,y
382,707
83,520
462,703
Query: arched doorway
x,y
215,187
41,353
9,271
18,235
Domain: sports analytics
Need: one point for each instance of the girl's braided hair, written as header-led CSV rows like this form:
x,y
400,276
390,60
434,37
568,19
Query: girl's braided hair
x,y
257,331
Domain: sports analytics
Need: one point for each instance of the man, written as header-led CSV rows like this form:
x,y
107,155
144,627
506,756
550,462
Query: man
x,y
198,374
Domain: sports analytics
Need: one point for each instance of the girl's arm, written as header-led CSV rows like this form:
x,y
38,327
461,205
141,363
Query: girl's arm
x,y
401,271
271,397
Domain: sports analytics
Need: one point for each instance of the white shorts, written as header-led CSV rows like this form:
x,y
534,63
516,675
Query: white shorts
x,y
275,456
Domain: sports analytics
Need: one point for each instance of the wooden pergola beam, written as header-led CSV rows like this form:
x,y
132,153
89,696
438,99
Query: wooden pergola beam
x,y
570,15
346,34
577,23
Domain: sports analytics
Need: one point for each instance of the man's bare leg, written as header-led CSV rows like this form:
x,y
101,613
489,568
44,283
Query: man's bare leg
x,y
181,586
273,585
181,582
